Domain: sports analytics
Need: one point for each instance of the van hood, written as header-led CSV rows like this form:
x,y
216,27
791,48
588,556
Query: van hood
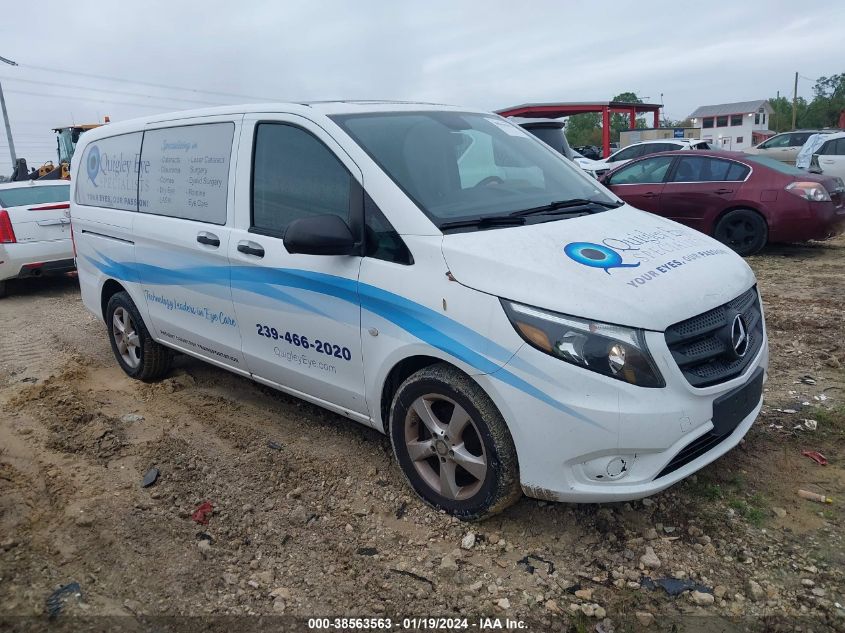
x,y
622,266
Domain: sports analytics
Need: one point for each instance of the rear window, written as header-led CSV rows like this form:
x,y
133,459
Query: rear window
x,y
777,165
29,195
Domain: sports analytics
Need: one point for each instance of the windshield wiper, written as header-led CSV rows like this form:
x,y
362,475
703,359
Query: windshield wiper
x,y
574,203
484,221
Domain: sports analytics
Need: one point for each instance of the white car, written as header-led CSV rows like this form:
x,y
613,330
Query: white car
x,y
829,159
644,148
784,147
435,273
587,164
34,229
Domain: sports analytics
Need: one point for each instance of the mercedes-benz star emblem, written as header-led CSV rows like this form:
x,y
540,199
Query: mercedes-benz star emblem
x,y
739,336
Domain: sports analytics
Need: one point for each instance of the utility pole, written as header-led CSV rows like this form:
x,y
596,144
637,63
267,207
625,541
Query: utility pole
x,y
794,100
6,117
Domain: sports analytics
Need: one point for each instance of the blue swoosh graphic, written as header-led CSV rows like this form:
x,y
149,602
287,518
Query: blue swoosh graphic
x,y
439,331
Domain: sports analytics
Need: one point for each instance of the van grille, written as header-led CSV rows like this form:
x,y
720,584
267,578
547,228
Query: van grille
x,y
701,346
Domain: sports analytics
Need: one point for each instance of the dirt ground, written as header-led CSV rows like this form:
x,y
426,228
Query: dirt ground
x,y
312,518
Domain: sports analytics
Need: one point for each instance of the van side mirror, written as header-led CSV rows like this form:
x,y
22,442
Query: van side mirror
x,y
319,235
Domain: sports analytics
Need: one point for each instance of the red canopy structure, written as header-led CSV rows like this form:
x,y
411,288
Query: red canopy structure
x,y
557,110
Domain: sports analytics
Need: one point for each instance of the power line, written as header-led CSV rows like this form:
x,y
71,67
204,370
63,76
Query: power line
x,y
118,92
160,108
145,83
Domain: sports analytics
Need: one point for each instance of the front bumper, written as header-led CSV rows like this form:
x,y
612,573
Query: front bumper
x,y
24,259
616,440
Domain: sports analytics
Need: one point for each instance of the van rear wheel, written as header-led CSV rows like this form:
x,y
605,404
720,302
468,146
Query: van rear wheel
x,y
453,445
2,289
135,350
744,230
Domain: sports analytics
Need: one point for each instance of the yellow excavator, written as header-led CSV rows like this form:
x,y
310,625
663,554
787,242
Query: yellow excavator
x,y
66,140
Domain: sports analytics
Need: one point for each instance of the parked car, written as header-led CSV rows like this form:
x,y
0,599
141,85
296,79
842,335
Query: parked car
x,y
645,148
589,151
783,147
34,230
742,200
829,159
434,273
584,163
550,131
805,154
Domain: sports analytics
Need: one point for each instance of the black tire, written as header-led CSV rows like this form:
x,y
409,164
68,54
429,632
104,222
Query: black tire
x,y
2,289
744,230
155,359
485,437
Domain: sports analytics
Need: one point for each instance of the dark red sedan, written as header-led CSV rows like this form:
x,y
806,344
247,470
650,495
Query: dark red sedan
x,y
743,201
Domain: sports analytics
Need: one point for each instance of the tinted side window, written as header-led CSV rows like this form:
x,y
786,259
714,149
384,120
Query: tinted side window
x,y
703,169
108,173
651,170
295,176
777,141
628,153
27,195
653,148
834,147
382,240
691,169
725,170
185,172
799,138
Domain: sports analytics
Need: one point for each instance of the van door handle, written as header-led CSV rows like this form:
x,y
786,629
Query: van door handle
x,y
251,248
650,194
723,191
209,239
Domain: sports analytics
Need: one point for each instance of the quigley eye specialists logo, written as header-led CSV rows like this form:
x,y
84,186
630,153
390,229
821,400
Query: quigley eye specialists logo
x,y
596,256
92,165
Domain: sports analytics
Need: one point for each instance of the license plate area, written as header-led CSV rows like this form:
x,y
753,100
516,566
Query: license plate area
x,y
733,407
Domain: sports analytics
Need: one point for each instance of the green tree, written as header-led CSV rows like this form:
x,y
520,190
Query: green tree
x,y
828,102
781,118
584,129
823,111
619,122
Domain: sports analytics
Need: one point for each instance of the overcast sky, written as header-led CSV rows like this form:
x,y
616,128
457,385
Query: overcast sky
x,y
482,54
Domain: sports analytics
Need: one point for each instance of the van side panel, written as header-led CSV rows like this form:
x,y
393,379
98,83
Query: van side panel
x,y
103,202
182,233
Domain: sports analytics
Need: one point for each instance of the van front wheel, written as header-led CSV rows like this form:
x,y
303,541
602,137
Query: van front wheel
x,y
135,350
453,445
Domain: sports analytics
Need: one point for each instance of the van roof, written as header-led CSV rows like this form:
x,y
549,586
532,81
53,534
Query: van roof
x,y
324,108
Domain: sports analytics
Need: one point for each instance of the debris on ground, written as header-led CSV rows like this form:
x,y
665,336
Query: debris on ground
x,y
817,457
674,586
814,496
150,477
202,513
56,600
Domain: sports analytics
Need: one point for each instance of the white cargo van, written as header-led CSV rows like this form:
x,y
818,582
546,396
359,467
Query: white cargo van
x,y
433,272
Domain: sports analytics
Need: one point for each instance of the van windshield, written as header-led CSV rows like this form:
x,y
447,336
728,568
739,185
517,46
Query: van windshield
x,y
462,166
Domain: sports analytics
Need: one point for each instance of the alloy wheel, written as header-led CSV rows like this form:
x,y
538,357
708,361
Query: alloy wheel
x,y
126,337
445,447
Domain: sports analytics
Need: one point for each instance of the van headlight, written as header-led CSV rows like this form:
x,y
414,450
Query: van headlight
x,y
611,350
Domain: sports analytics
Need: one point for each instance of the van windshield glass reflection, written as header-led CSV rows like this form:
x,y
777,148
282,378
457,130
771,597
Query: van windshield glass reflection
x,y
458,165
